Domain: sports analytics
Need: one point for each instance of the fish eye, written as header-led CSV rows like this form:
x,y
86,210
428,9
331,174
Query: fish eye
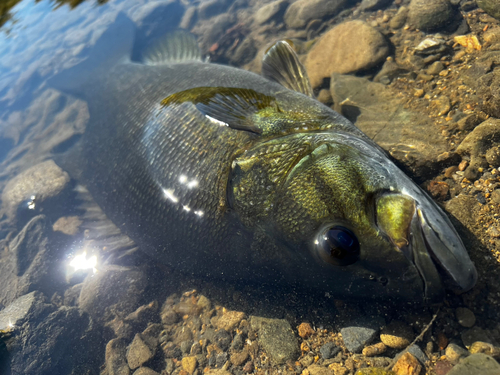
x,y
338,246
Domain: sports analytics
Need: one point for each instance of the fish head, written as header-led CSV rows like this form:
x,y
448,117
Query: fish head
x,y
350,218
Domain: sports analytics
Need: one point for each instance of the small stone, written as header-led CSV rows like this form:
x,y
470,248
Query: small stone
x,y
301,12
440,106
463,164
204,303
474,334
248,368
318,370
68,225
442,367
419,93
223,339
493,156
230,319
448,172
269,11
189,364
465,317
495,196
418,354
397,335
485,348
454,353
325,97
237,343
374,350
239,358
429,14
407,364
471,173
398,21
277,338
138,352
329,350
355,338
438,190
435,68
476,364
305,330
371,371
145,371
116,362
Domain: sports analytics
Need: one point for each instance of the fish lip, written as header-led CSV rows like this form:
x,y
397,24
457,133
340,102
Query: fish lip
x,y
440,258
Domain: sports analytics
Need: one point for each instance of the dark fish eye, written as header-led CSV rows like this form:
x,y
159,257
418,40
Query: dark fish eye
x,y
339,246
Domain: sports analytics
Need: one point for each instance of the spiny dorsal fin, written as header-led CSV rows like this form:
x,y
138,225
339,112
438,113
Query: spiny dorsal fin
x,y
175,47
281,64
232,106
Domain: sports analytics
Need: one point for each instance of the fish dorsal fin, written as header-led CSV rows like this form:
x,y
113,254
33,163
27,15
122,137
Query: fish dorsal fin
x,y
232,106
281,64
175,47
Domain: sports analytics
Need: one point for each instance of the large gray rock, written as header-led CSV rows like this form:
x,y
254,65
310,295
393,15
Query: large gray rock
x,y
22,309
301,12
407,136
476,364
64,342
32,262
113,286
357,337
347,48
430,14
36,187
492,7
276,338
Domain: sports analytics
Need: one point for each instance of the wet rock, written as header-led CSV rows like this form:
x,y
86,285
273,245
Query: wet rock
x,y
347,48
305,330
397,335
139,352
418,354
269,11
477,334
276,338
300,12
22,309
431,45
145,371
438,190
493,156
222,338
245,52
409,137
483,137
189,364
399,19
372,371
120,287
435,68
238,342
41,186
389,71
208,9
329,350
219,372
115,358
325,97
319,370
32,262
440,106
465,317
237,359
485,348
442,367
189,18
430,14
373,4
143,315
492,7
230,319
39,350
454,353
407,364
357,337
211,31
476,364
374,350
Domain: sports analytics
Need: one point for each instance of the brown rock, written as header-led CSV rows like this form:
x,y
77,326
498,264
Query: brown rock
x,y
374,350
239,358
305,330
397,335
485,348
230,319
300,12
189,364
145,371
439,190
407,364
138,353
347,48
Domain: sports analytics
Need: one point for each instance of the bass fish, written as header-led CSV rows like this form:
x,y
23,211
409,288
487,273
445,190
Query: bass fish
x,y
224,173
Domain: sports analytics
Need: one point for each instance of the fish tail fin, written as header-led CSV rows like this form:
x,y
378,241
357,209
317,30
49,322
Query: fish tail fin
x,y
113,46
175,47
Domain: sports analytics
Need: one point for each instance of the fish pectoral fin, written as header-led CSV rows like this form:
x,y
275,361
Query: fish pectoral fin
x,y
233,107
281,64
175,47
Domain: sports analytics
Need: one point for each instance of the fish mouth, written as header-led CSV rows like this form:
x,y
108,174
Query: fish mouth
x,y
439,255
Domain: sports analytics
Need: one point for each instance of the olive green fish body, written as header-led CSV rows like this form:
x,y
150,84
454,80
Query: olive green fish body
x,y
221,172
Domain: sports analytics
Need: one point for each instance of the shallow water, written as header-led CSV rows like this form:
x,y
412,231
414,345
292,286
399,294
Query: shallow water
x,y
81,333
